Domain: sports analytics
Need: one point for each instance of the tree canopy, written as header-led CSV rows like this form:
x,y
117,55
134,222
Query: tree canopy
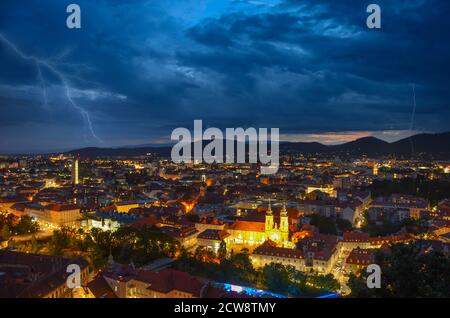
x,y
407,271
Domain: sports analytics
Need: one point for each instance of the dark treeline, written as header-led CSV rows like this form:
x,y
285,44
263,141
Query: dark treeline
x,y
433,190
407,272
238,269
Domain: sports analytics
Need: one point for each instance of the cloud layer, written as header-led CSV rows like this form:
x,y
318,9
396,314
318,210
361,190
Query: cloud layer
x,y
142,68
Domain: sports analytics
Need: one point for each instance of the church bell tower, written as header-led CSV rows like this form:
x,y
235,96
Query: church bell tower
x,y
269,218
284,223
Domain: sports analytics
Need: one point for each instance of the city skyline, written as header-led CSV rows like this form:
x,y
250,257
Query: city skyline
x,y
134,72
224,156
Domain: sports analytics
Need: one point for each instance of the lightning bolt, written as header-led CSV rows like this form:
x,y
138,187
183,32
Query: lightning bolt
x,y
46,64
411,126
414,107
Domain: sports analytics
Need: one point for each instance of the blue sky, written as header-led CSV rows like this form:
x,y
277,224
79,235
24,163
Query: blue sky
x,y
138,69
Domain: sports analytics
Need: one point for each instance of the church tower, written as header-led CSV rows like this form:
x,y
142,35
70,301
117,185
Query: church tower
x,y
284,223
269,218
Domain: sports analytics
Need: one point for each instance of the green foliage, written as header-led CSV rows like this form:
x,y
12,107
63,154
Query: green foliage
x,y
34,244
277,277
127,244
433,190
324,282
60,240
26,225
194,218
222,251
274,277
240,267
343,225
281,279
386,227
330,225
18,226
237,270
382,228
5,233
407,272
326,225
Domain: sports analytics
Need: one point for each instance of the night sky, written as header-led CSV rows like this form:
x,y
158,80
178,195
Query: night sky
x,y
136,71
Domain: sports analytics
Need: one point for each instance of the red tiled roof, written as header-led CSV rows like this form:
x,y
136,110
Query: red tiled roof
x,y
150,220
170,279
13,200
61,207
356,237
211,234
100,288
322,246
270,250
252,226
48,273
364,237
361,256
389,238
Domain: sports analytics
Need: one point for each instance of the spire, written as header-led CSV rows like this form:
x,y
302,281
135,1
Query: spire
x,y
269,218
284,224
283,210
269,209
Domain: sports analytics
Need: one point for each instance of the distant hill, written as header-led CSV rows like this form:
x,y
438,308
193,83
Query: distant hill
x,y
364,145
424,143
93,152
433,145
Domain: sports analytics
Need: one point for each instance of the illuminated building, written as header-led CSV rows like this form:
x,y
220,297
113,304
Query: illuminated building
x,y
361,240
166,283
37,276
75,175
212,239
402,201
185,235
359,259
318,253
328,189
375,169
266,254
50,183
126,206
57,215
255,233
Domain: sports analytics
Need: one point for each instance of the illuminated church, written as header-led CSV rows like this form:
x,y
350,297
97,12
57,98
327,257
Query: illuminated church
x,y
254,233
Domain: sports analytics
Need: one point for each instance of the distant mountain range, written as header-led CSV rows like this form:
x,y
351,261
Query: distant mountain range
x,y
432,145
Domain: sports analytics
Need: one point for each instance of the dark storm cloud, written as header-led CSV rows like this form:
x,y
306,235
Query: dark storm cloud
x,y
141,68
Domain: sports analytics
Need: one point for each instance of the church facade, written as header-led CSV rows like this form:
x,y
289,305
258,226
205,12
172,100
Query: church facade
x,y
254,233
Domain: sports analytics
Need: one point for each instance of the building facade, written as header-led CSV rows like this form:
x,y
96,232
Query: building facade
x,y
253,233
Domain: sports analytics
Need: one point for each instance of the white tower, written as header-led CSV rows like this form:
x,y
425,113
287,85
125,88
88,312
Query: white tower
x,y
75,179
375,169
